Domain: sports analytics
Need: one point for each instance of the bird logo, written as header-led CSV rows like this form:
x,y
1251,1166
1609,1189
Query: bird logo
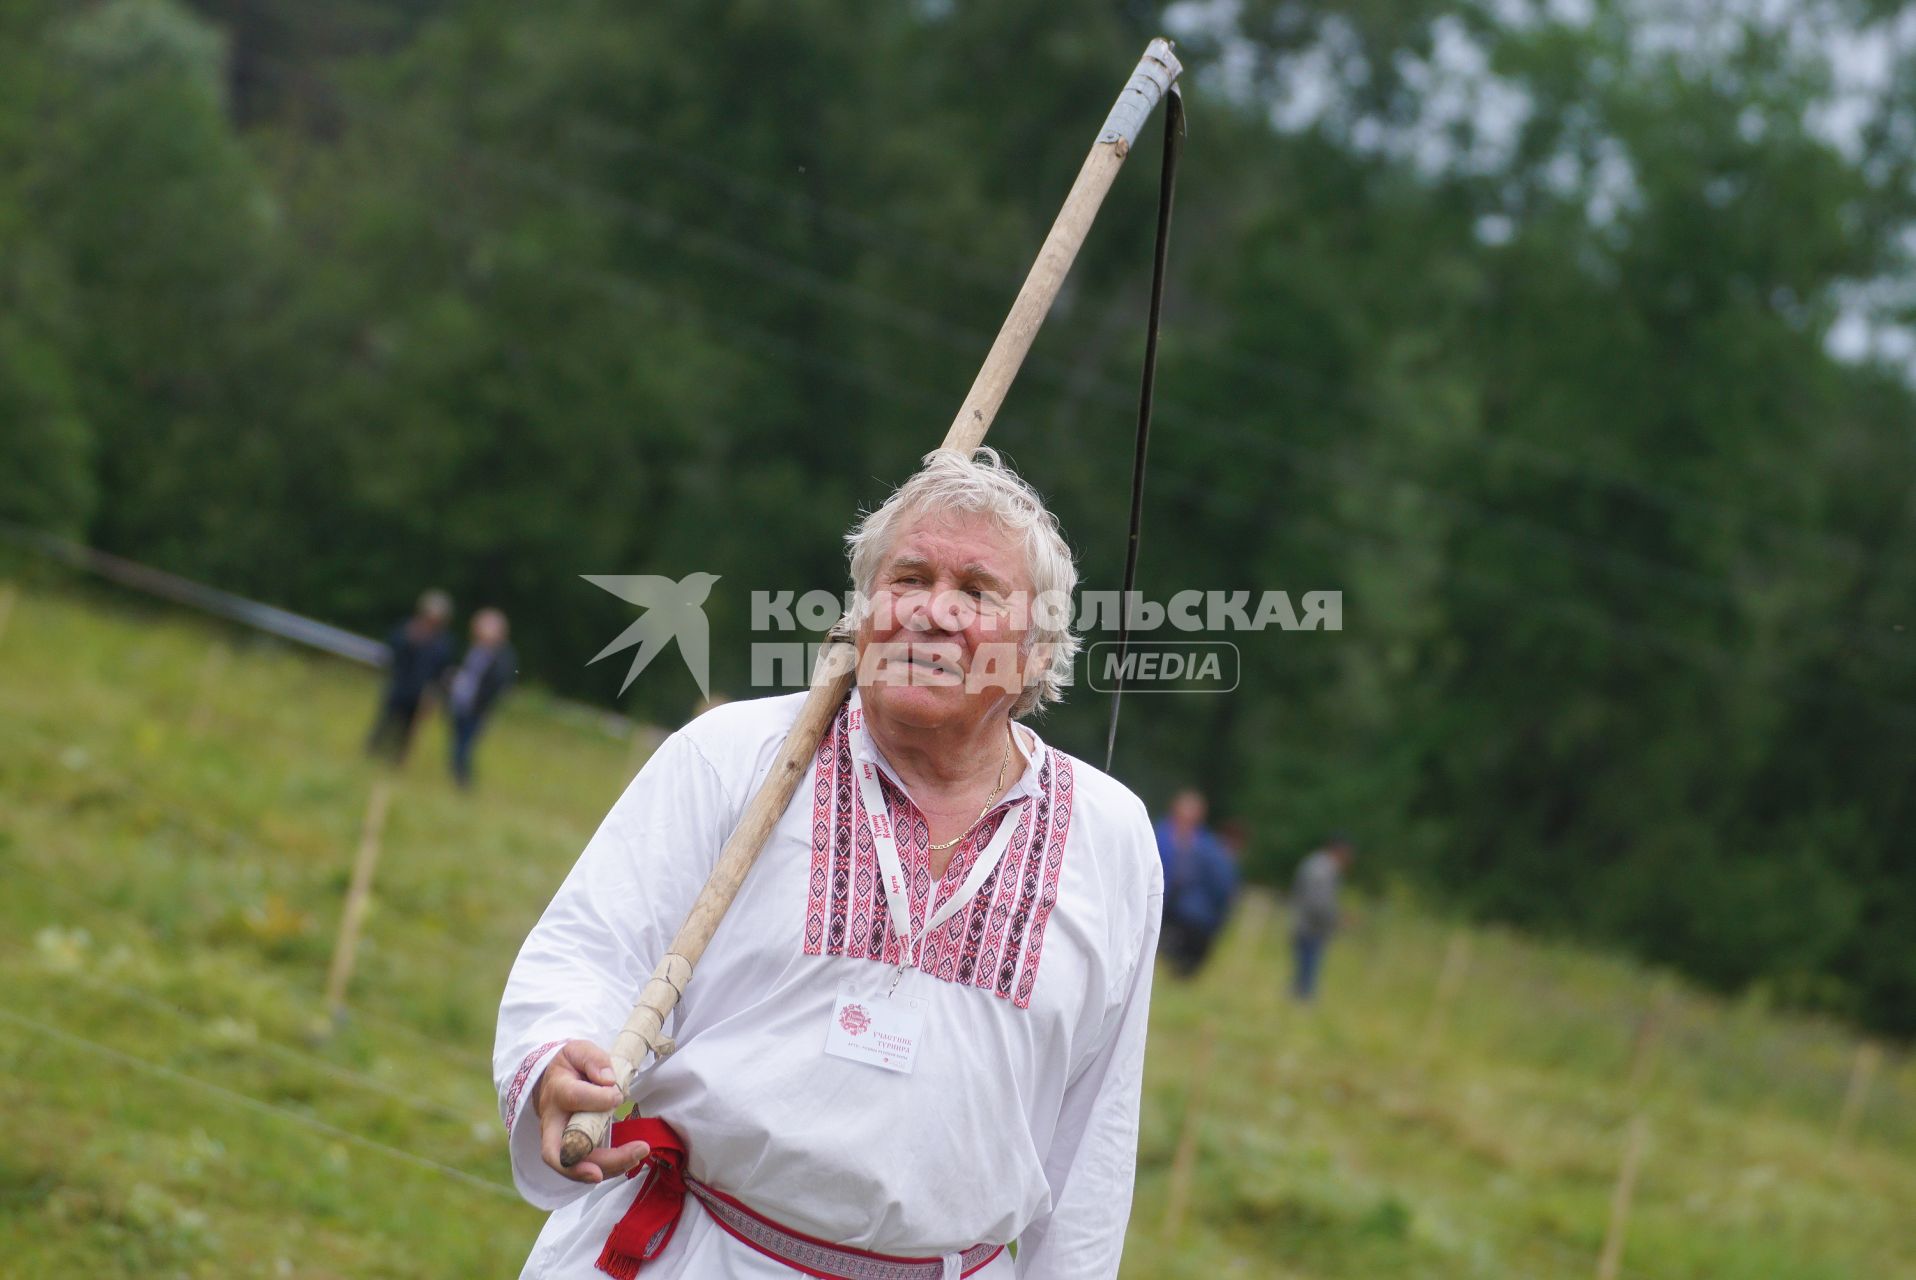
x,y
673,611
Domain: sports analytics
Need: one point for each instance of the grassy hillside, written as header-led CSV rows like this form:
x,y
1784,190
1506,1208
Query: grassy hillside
x,y
178,812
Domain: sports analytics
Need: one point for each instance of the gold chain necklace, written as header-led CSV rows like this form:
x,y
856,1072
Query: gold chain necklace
x,y
1000,786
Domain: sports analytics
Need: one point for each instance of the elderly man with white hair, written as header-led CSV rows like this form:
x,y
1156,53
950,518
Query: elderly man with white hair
x,y
919,1034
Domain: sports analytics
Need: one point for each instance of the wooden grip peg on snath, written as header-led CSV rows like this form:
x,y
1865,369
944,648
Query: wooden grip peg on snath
x,y
1155,75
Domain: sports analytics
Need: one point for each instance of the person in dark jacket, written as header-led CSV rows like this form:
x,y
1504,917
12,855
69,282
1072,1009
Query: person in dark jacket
x,y
1200,881
421,651
484,674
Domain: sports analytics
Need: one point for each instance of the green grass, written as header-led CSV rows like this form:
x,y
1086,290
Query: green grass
x,y
171,872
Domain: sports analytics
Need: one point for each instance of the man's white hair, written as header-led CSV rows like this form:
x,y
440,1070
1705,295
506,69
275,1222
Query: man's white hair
x,y
981,484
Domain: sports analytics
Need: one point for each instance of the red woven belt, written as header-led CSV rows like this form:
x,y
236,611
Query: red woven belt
x,y
647,1227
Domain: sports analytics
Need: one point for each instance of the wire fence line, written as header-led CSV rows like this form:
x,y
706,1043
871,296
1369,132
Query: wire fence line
x,y
383,1025
154,1002
213,832
258,1106
465,954
446,947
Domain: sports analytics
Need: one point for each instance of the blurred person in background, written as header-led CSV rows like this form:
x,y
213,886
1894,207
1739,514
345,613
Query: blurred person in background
x,y
1236,837
484,674
1314,911
421,651
1200,881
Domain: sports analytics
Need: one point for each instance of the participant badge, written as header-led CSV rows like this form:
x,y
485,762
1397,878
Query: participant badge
x,y
876,1030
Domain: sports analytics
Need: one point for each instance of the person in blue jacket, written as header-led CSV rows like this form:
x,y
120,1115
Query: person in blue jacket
x,y
1200,881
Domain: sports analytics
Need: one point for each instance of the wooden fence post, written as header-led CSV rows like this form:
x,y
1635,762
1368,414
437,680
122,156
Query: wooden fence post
x,y
1869,1056
1610,1261
371,835
1177,1195
1449,983
1643,1049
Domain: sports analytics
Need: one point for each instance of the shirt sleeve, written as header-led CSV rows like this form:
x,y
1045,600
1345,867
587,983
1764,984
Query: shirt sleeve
x,y
1094,1151
583,964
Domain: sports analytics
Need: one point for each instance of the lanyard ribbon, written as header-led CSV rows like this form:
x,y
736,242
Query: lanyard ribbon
x,y
898,886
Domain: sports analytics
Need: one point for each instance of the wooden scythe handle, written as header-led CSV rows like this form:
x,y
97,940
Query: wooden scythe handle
x,y
832,681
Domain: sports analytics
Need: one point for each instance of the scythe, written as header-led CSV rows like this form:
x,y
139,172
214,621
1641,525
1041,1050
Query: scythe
x,y
1155,77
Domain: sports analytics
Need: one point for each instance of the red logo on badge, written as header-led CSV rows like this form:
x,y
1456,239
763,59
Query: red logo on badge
x,y
854,1019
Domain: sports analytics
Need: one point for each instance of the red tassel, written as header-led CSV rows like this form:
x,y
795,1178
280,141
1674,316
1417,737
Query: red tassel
x,y
647,1227
618,1265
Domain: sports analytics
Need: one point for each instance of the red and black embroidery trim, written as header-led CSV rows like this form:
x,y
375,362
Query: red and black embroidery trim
x,y
996,942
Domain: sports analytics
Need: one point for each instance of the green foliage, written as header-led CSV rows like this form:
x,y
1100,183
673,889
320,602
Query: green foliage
x,y
46,467
326,303
46,462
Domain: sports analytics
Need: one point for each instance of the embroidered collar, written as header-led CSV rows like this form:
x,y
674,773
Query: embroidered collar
x,y
1029,743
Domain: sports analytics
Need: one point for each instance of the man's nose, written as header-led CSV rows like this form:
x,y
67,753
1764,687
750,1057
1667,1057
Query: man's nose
x,y
935,611
950,610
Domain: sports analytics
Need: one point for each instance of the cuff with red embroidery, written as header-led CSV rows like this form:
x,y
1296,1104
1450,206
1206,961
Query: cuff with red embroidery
x,y
537,1181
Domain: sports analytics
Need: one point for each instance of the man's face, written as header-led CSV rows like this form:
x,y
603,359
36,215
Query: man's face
x,y
1187,810
944,640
